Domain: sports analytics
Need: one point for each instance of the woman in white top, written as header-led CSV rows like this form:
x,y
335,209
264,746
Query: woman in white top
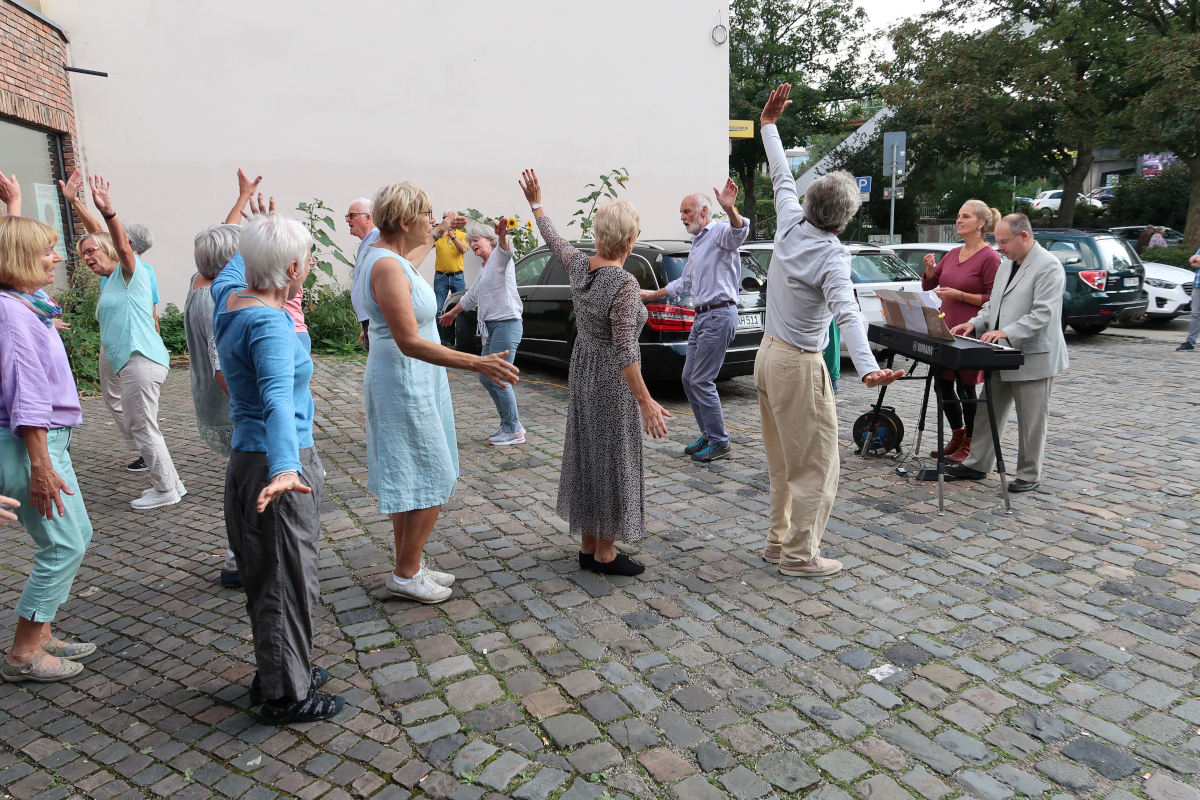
x,y
494,294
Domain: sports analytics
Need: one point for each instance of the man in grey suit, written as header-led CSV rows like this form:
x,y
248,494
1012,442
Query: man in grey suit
x,y
1025,312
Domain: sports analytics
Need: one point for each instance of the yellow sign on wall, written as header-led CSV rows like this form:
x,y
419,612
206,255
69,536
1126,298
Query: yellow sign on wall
x,y
741,129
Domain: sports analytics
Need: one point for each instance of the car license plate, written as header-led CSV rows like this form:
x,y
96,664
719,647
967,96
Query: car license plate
x,y
750,322
1131,281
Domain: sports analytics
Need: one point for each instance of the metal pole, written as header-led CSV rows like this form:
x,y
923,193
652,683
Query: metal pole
x,y
892,218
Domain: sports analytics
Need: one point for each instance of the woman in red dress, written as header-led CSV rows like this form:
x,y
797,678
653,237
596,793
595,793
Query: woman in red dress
x,y
963,280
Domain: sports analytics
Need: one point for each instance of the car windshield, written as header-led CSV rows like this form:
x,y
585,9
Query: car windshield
x,y
879,268
1116,255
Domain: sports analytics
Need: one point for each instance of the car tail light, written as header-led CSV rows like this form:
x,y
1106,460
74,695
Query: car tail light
x,y
1096,278
669,317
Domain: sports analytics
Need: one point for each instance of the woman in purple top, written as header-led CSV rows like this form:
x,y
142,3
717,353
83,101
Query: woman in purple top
x,y
39,405
963,279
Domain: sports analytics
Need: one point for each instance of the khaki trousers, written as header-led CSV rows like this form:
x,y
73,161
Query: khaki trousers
x,y
799,429
132,397
1032,401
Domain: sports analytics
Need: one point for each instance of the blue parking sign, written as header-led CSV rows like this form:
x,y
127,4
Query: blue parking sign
x,y
864,184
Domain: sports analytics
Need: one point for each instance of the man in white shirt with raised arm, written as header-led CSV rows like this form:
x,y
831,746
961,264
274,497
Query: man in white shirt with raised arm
x,y
809,278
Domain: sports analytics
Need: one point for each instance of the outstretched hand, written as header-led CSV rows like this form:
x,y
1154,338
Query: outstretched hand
x,y
776,103
10,194
727,198
882,377
653,418
260,207
6,503
530,186
287,482
247,187
100,195
71,188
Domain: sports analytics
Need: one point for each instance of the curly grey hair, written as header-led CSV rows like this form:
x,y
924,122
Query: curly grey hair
x,y
140,237
831,201
482,232
215,246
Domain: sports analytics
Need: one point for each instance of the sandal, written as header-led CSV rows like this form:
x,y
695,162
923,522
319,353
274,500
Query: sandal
x,y
61,649
32,670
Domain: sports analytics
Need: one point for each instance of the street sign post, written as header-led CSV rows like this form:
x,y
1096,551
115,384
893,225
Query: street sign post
x,y
895,159
893,191
864,188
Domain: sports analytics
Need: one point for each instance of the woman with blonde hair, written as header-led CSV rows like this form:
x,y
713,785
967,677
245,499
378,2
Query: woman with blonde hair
x,y
412,451
39,407
963,280
601,489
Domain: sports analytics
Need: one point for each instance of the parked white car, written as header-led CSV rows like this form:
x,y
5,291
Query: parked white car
x,y
1050,201
871,268
1170,290
914,254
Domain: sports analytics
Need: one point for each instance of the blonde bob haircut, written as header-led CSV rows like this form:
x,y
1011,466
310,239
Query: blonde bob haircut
x,y
616,224
22,243
397,205
103,241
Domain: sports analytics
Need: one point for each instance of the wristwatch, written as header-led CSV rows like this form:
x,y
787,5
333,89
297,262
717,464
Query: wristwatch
x,y
535,206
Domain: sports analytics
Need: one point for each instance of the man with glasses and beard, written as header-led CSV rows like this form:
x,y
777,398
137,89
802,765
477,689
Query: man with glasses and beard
x,y
712,276
359,220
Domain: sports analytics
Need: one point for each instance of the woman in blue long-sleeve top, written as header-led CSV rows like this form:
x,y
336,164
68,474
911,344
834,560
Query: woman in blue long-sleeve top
x,y
274,479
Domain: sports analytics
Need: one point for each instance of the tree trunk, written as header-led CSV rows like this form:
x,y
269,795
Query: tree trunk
x,y
750,201
1072,184
1191,234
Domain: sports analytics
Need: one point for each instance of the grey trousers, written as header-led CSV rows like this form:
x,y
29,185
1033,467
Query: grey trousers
x,y
711,335
1194,328
1032,401
277,555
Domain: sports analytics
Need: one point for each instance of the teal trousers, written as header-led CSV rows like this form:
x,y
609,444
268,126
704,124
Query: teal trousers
x,y
61,540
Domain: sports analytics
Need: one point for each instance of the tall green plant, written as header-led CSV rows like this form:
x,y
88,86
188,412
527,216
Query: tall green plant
x,y
82,339
316,219
607,187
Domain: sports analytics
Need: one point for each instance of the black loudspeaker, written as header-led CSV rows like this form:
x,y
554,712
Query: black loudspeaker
x,y
886,435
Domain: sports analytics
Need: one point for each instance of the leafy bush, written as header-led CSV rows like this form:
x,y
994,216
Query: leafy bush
x,y
332,322
1173,256
82,339
170,325
1156,200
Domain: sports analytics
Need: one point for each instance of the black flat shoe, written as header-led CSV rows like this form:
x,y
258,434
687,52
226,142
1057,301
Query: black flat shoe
x,y
315,707
319,676
621,565
1021,485
586,560
961,473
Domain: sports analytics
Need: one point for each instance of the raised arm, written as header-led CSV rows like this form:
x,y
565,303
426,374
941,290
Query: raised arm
x,y
103,201
70,191
421,251
10,195
246,190
560,247
788,210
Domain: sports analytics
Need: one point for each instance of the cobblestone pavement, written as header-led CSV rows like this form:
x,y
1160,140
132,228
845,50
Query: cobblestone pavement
x,y
1049,653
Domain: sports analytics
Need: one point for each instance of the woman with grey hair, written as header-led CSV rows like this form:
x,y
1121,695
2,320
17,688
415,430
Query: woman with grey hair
x,y
274,479
810,284
494,294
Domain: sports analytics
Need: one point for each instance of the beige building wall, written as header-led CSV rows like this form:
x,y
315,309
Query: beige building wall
x,y
333,100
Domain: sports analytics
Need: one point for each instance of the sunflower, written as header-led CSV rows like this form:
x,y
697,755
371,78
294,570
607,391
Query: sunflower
x,y
512,223
529,224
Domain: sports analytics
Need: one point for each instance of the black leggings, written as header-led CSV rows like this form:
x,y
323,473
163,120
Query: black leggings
x,y
958,414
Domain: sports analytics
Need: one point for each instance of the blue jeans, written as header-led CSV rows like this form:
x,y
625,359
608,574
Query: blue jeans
x,y
444,285
504,335
712,333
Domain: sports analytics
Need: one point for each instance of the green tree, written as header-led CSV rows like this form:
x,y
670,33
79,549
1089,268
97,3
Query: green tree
x,y
817,46
1157,200
1041,88
1164,73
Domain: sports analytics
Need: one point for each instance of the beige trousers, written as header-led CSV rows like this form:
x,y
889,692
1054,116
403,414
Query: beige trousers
x,y
1032,401
132,397
799,429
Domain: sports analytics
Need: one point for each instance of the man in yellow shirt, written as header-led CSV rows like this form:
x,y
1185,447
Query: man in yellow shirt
x,y
449,276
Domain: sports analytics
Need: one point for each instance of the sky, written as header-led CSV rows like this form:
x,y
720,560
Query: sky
x,y
883,13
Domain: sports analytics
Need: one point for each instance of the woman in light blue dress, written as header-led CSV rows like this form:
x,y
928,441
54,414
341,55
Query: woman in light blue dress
x,y
412,451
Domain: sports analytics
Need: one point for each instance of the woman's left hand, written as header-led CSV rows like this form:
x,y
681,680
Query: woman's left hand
x,y
653,417
60,324
448,318
945,293
10,194
7,516
287,482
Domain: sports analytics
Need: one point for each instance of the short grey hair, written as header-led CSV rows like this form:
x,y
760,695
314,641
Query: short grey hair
x,y
362,201
140,237
703,201
269,243
482,232
1018,224
215,246
831,201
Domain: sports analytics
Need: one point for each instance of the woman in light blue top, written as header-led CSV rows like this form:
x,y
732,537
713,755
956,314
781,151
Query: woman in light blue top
x,y
133,359
412,451
495,295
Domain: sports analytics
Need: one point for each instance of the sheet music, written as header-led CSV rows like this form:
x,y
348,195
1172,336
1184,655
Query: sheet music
x,y
918,312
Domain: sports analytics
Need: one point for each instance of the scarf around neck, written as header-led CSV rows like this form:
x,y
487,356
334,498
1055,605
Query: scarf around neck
x,y
38,302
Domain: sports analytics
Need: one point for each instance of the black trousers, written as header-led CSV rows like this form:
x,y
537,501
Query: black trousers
x,y
958,414
277,553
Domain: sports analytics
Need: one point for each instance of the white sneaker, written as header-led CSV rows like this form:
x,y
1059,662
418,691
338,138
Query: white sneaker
x,y
420,587
180,489
503,439
155,499
441,578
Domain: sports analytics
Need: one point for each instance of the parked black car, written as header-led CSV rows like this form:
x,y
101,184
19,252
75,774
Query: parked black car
x,y
549,315
1105,277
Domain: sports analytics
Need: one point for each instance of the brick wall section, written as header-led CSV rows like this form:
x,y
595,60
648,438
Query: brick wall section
x,y
34,89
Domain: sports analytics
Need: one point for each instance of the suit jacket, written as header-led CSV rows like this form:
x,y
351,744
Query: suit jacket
x,y
1029,310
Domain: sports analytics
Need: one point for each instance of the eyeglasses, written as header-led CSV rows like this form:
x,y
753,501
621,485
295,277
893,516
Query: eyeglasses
x,y
89,251
1003,242
429,215
353,214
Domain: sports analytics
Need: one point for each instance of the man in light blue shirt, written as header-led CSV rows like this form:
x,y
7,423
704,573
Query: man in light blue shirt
x,y
359,220
713,277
